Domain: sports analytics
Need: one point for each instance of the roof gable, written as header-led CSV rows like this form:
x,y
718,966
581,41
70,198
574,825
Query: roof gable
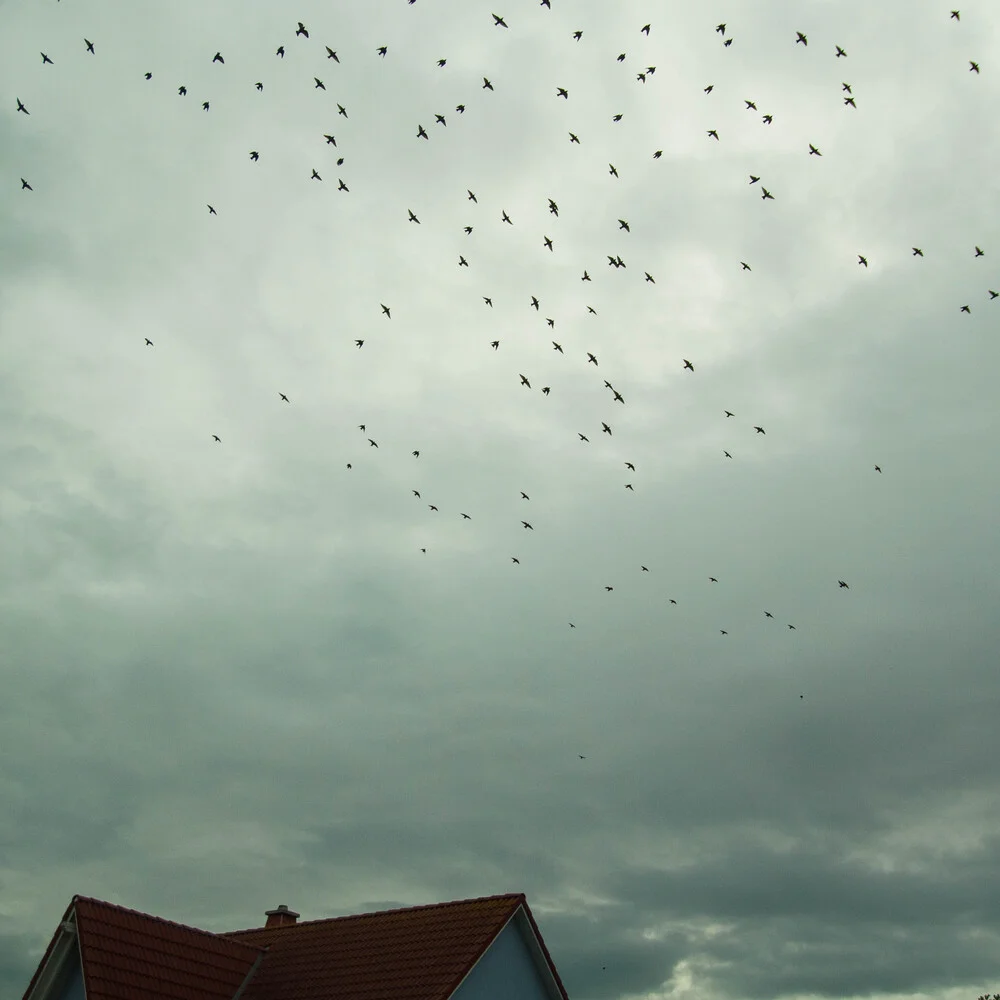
x,y
416,953
127,955
514,965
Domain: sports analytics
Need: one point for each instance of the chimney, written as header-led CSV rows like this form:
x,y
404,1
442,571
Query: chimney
x,y
280,917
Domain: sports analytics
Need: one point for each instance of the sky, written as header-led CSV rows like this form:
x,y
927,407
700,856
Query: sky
x,y
261,670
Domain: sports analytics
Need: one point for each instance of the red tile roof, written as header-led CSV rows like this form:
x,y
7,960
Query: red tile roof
x,y
416,953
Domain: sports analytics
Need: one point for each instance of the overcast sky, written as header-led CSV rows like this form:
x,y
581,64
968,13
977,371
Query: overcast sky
x,y
259,670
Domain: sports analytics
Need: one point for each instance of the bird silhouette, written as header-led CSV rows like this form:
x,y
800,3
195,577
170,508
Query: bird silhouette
x,y
799,37
149,343
813,151
21,107
759,430
766,194
862,260
688,365
843,585
840,52
217,438
217,58
330,54
973,67
499,22
90,45
284,397
979,253
25,186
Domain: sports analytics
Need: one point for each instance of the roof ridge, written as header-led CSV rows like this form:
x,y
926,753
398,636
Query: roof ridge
x,y
160,920
397,909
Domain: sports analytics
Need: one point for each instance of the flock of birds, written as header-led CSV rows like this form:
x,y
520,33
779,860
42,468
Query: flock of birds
x,y
614,260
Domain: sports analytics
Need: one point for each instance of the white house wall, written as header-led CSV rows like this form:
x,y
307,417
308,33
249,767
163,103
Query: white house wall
x,y
507,970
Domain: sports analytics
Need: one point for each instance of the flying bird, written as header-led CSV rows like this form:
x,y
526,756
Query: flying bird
x,y
966,309
759,430
767,119
46,59
534,302
709,88
629,465
840,52
301,30
979,253
547,243
562,92
850,101
359,344
494,344
605,428
217,438
799,37
204,106
622,224
721,28
90,45
688,365
381,50
254,155
993,294
917,252
421,134
371,443
280,51
713,134
527,526
486,84
557,347
745,265
331,140
973,67
217,58
284,397
212,211
462,262
259,86
750,105
330,54
385,309
649,277
524,381
506,218
645,30
765,194
341,186
843,585
862,260
413,218
878,468
319,85
439,120
499,22
315,176
149,343
25,186
753,180
21,107
813,151
488,301
341,110
591,359
573,138
955,16
583,437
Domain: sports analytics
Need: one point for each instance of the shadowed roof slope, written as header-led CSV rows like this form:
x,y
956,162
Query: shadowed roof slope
x,y
417,953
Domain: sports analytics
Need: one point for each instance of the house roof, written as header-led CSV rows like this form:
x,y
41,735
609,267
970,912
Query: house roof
x,y
413,953
127,955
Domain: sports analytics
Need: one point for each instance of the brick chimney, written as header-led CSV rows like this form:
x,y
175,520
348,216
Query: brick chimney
x,y
280,917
